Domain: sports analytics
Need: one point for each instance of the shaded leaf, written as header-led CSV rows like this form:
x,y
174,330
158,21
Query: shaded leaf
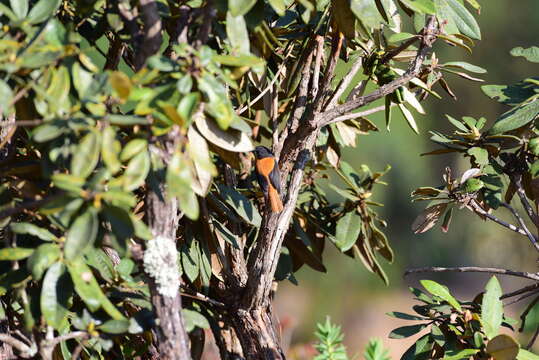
x,y
441,291
492,308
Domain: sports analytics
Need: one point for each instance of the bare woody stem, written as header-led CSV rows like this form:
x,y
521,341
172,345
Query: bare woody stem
x,y
517,216
522,274
480,211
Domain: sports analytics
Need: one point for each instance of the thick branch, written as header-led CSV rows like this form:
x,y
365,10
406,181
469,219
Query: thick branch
x,y
427,40
521,291
24,350
522,274
152,32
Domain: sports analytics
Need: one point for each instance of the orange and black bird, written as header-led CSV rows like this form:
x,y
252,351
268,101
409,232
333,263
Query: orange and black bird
x,y
269,178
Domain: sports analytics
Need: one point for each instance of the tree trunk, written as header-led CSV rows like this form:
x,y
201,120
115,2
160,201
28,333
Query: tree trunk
x,y
162,215
257,334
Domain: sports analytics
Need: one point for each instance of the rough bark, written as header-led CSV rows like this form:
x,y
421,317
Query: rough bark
x,y
162,215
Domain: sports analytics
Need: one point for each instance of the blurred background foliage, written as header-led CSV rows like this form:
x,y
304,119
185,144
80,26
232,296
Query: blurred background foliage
x,y
362,298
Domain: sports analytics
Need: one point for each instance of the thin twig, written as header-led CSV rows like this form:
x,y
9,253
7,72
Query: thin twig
x,y
521,291
360,114
517,216
392,53
522,274
259,96
317,64
517,180
343,85
521,298
532,340
329,71
202,297
479,210
25,206
35,122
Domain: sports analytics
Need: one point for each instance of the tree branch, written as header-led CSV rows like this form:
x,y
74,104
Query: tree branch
x,y
152,38
517,180
479,210
25,350
521,291
526,275
428,38
530,236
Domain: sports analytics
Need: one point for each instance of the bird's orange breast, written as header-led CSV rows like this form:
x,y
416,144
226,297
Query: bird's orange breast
x,y
265,166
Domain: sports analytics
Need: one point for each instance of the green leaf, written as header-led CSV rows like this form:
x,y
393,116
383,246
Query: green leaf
x,y
279,6
194,319
40,260
516,117
409,117
126,120
115,326
43,10
121,226
6,96
31,229
441,291
81,234
526,355
86,155
534,169
46,132
68,182
347,230
136,172
236,31
509,94
492,308
420,6
241,204
531,54
240,7
110,148
19,7
12,254
133,148
179,178
88,289
403,316
190,254
480,155
454,12
406,331
366,12
460,355
465,66
397,37
55,295
218,105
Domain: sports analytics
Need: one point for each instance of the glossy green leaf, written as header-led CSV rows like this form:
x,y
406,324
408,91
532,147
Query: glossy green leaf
x,y
509,94
133,148
492,308
179,179
479,154
194,319
31,229
406,331
68,182
403,316
88,289
420,6
409,118
137,170
56,293
465,66
279,6
42,10
442,292
114,326
13,254
241,204
86,155
460,354
236,30
44,256
19,7
240,7
110,149
347,230
516,117
81,234
526,355
531,54
454,12
6,96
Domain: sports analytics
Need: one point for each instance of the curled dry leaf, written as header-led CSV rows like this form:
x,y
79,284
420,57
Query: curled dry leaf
x,y
470,173
231,139
428,218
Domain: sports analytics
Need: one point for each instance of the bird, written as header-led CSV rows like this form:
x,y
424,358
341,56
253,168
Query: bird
x,y
269,178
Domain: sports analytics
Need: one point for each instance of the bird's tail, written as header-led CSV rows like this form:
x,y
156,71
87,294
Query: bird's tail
x,y
275,200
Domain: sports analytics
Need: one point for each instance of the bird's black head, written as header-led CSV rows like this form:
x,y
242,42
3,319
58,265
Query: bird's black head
x,y
262,152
